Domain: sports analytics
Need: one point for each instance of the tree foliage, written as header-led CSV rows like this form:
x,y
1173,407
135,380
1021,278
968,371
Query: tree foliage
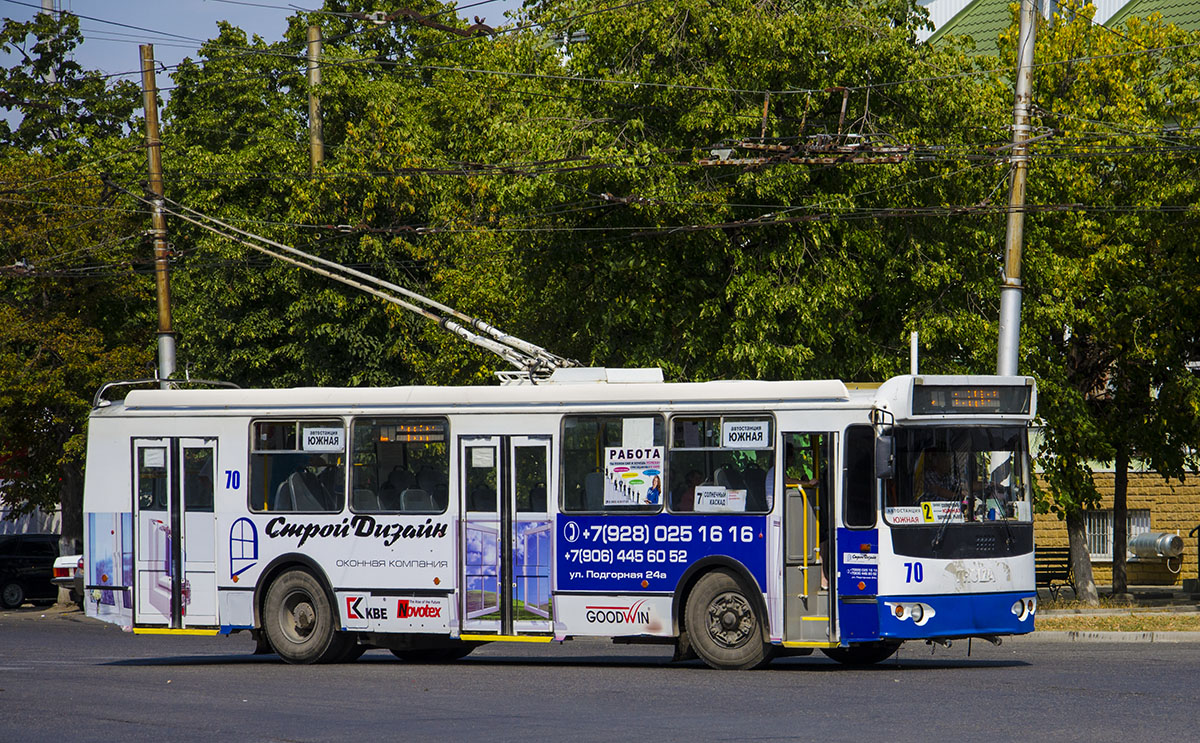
x,y
1110,305
563,179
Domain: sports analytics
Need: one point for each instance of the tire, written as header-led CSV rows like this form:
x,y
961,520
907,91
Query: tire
x,y
435,655
863,655
352,652
723,624
12,595
299,620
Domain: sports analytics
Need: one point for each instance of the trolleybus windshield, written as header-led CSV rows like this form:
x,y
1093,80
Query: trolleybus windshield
x,y
958,475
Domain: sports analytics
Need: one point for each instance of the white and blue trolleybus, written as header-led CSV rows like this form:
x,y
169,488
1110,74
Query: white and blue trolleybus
x,y
734,520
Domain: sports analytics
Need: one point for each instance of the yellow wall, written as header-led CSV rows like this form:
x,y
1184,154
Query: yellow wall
x,y
1173,507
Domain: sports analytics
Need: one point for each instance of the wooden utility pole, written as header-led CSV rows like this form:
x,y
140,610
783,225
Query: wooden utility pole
x,y
162,276
1010,289
316,141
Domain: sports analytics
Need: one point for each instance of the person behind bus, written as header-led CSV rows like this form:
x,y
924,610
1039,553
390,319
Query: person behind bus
x,y
685,496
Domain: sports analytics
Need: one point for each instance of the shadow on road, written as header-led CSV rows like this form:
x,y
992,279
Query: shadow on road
x,y
807,664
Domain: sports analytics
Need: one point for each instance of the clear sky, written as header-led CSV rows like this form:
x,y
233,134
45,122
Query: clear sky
x,y
177,27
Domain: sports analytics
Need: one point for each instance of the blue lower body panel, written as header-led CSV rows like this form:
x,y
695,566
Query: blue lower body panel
x,y
955,615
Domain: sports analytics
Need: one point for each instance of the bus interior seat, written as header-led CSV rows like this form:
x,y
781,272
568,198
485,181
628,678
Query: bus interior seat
x,y
729,478
441,496
400,479
756,488
365,499
415,499
482,498
390,499
593,486
428,479
301,491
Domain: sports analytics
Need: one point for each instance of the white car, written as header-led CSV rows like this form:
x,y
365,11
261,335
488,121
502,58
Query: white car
x,y
68,573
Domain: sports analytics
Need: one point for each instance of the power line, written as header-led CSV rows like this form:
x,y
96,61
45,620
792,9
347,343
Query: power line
x,y
111,23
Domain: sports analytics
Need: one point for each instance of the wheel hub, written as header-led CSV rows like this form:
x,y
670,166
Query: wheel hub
x,y
730,620
304,618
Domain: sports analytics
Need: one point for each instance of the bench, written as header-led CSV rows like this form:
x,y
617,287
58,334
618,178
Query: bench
x,y
1052,569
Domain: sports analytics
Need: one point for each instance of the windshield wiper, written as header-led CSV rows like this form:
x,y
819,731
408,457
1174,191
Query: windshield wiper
x,y
936,544
1001,508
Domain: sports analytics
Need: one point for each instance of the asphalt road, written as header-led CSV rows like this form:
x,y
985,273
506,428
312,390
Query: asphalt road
x,y
64,677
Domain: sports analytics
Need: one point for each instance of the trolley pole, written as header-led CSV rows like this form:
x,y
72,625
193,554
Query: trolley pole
x,y
1010,289
316,139
162,277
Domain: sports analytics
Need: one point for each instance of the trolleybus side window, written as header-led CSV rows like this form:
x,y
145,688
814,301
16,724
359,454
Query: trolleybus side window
x,y
400,464
298,465
152,479
198,479
613,463
858,504
721,464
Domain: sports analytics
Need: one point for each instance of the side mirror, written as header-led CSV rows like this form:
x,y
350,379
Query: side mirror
x,y
885,456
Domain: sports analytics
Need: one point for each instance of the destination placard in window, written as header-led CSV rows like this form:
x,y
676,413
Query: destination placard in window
x,y
746,434
716,499
323,440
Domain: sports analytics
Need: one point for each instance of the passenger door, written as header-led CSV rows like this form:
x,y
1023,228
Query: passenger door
x,y
174,522
507,534
808,541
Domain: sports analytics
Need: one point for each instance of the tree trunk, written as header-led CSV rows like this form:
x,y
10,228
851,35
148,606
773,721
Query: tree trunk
x,y
1081,564
1120,520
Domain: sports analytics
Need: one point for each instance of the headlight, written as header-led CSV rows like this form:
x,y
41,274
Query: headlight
x,y
919,613
1023,609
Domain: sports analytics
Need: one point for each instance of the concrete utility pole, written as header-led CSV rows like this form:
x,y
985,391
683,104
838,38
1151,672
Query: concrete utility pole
x,y
48,7
316,141
162,277
1010,288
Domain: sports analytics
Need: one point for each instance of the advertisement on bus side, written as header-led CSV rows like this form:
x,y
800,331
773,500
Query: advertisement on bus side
x,y
601,553
365,611
614,616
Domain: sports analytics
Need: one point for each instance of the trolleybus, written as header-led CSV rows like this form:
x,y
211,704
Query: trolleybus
x,y
733,520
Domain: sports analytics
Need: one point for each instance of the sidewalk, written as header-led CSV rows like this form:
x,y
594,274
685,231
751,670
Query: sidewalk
x,y
1146,600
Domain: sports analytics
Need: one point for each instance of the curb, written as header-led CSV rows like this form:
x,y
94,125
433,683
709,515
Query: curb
x,y
1109,637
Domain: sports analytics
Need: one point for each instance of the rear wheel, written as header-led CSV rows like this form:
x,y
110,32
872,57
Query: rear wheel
x,y
863,655
299,620
723,625
435,655
12,595
352,652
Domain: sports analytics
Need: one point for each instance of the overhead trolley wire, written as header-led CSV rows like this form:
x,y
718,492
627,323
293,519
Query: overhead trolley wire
x,y
526,357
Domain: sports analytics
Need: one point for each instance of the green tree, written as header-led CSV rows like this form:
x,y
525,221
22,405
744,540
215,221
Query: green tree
x,y
62,106
75,312
1110,303
73,295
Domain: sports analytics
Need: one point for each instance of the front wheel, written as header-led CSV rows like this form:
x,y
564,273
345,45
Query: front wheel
x,y
299,620
863,655
723,625
12,595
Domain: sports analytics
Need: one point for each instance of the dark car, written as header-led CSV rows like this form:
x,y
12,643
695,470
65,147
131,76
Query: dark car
x,y
26,568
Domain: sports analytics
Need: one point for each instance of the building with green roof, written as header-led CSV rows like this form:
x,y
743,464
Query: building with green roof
x,y
983,20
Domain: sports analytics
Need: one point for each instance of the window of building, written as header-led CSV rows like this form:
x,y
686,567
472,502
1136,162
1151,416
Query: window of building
x,y
613,463
1100,530
298,465
400,465
720,464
